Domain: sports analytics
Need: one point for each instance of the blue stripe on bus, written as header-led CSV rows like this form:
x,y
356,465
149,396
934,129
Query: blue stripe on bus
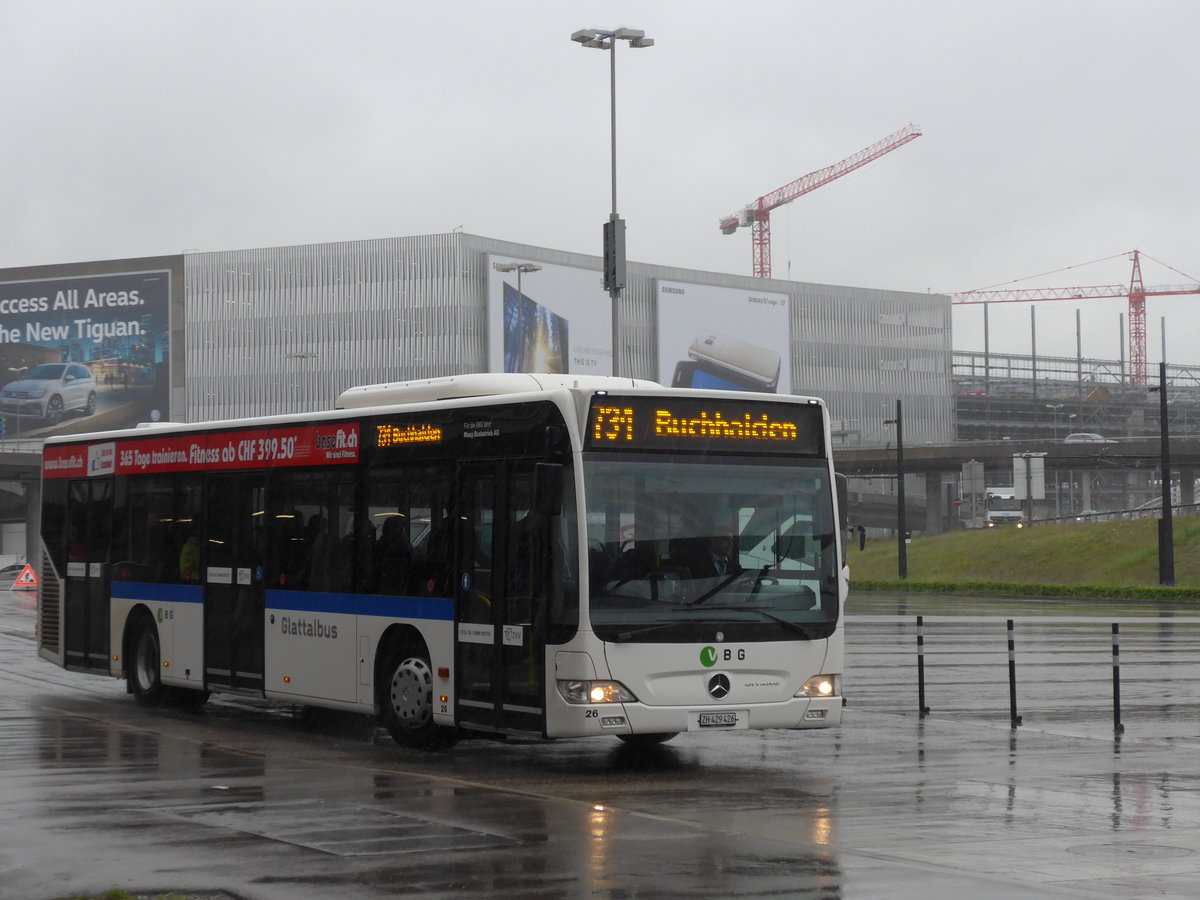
x,y
439,608
158,593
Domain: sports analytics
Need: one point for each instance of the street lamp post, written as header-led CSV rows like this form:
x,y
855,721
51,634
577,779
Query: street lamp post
x,y
614,228
901,518
1056,407
1166,527
519,268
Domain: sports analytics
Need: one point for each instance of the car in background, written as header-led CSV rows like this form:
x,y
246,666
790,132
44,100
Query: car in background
x,y
9,575
1084,437
50,391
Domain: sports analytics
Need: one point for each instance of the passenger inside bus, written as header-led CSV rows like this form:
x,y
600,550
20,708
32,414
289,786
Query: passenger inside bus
x,y
394,556
722,560
433,578
190,553
318,574
359,553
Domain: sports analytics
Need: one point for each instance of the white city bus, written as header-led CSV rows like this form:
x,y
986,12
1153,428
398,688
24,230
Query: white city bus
x,y
512,554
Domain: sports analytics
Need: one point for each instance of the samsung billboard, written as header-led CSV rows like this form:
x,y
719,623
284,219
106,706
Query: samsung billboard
x,y
718,338
84,353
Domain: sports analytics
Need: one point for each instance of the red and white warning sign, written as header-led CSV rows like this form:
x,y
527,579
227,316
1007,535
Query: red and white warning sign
x,y
26,580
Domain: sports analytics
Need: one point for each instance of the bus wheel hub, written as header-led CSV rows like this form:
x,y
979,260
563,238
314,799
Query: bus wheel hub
x,y
412,693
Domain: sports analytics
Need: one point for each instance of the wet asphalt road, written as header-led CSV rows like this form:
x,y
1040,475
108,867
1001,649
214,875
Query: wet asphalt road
x,y
260,801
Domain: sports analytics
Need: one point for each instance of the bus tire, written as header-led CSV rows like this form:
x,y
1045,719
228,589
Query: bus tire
x,y
648,740
144,658
406,699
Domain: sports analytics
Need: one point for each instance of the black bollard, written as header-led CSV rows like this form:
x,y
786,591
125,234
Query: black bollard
x,y
1012,677
1118,728
924,710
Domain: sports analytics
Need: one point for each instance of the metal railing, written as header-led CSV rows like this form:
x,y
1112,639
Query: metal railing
x,y
1075,672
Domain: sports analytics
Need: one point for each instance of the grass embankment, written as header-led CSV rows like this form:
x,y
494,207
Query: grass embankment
x,y
1082,559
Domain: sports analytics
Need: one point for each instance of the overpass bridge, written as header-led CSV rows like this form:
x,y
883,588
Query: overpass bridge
x,y
1119,471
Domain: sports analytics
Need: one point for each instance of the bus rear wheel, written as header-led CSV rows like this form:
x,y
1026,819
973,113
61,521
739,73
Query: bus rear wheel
x,y
406,701
144,661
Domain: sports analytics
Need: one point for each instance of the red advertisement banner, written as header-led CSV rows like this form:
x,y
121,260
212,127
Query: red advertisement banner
x,y
293,445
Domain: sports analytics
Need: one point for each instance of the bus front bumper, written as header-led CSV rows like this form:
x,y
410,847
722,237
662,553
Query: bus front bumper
x,y
637,718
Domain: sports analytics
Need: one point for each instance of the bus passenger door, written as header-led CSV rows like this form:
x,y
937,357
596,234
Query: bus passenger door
x,y
232,569
86,598
500,605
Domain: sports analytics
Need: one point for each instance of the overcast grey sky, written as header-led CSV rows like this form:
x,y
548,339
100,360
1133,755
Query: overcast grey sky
x,y
1055,132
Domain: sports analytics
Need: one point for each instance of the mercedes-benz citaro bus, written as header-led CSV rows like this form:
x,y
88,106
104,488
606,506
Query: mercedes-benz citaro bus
x,y
537,555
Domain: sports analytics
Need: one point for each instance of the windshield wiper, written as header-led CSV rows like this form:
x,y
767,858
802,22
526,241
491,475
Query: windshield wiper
x,y
802,630
716,590
622,636
758,581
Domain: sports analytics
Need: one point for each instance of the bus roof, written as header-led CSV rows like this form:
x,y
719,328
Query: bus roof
x,y
454,387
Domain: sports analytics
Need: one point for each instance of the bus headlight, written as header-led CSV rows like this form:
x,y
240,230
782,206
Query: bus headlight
x,y
821,686
595,692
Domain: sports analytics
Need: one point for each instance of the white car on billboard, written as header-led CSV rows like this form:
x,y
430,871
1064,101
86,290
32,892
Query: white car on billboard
x,y
50,391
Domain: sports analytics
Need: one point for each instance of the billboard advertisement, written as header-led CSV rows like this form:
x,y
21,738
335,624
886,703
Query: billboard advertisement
x,y
719,338
547,318
83,353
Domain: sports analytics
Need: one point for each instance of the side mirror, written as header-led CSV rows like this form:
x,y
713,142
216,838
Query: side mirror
x,y
843,500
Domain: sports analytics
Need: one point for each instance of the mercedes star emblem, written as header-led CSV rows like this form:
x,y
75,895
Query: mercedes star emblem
x,y
718,686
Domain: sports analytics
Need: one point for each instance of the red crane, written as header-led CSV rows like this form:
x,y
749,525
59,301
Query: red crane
x,y
1135,291
758,213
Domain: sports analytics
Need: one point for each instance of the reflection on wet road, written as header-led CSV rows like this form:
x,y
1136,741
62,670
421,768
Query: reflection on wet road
x,y
259,800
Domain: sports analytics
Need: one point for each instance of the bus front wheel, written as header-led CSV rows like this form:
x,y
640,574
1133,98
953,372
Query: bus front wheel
x,y
406,701
144,659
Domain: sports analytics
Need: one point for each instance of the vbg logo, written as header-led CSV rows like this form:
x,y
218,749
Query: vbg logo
x,y
710,655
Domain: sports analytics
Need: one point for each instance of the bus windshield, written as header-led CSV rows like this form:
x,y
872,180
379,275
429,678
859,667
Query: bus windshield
x,y
680,548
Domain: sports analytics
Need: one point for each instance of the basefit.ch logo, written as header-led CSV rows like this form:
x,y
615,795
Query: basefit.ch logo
x,y
708,657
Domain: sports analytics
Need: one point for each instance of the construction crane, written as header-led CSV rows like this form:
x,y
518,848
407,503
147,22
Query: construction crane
x,y
1135,291
758,213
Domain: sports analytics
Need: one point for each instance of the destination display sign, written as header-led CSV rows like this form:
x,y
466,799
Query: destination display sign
x,y
686,423
387,435
291,445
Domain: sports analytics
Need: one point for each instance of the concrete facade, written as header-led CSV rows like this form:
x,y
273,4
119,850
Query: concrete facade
x,y
287,329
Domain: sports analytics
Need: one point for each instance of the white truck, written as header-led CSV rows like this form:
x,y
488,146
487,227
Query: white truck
x,y
1002,507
